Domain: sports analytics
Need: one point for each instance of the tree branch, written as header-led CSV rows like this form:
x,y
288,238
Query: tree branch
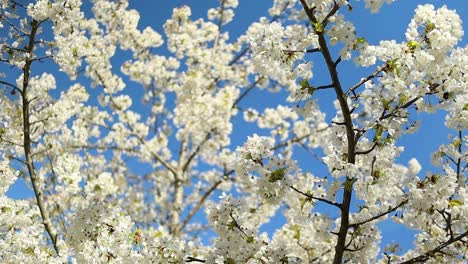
x,y
247,90
391,209
431,253
15,88
363,81
195,152
460,177
27,141
197,207
351,155
310,196
364,152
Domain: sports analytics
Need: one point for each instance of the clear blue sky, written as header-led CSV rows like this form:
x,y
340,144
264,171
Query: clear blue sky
x,y
389,23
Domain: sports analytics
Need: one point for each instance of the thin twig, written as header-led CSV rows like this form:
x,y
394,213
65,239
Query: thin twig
x,y
364,80
391,209
310,196
197,206
247,91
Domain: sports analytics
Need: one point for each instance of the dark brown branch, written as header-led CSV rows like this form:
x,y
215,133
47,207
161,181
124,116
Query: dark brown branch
x,y
351,155
451,159
354,250
310,196
448,222
23,33
238,56
15,88
431,253
460,177
40,59
337,61
367,151
406,105
27,140
303,51
9,142
18,4
238,226
322,87
392,209
363,81
313,50
193,259
332,12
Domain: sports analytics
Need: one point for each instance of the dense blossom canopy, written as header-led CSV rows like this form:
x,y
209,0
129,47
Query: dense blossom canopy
x,y
116,180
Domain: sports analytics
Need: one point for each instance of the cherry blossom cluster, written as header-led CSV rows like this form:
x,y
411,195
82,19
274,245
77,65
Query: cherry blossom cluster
x,y
138,160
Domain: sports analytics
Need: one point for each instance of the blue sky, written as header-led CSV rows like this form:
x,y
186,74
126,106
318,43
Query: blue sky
x,y
389,23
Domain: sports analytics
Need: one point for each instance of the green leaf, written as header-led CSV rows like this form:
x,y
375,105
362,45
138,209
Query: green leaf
x,y
231,225
318,27
439,257
304,84
378,133
306,199
303,201
392,66
412,45
429,27
28,250
297,231
457,143
403,99
277,175
389,139
360,40
344,157
250,239
229,261
97,188
454,203
386,104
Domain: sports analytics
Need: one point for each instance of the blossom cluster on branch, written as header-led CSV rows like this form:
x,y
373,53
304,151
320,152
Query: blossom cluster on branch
x,y
121,179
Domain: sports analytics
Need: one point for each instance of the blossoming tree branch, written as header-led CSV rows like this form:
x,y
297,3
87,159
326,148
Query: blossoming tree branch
x,y
76,146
